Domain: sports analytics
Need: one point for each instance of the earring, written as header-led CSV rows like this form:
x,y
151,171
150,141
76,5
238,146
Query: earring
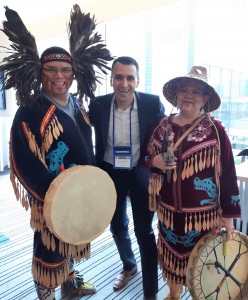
x,y
174,103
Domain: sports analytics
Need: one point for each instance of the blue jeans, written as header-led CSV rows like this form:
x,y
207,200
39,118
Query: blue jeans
x,y
126,183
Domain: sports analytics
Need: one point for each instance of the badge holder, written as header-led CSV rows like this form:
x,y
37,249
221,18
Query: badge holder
x,y
122,158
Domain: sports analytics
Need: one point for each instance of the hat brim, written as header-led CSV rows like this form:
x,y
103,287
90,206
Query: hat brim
x,y
171,87
244,152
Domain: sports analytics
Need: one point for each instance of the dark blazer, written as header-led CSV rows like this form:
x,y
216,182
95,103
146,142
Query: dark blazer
x,y
149,109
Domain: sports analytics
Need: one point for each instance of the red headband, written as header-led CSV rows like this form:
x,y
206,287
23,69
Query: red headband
x,y
54,57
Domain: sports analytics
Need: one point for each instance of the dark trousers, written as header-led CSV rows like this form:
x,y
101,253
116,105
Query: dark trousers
x,y
126,183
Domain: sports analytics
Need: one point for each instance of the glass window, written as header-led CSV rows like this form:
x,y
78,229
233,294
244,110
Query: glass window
x,y
169,40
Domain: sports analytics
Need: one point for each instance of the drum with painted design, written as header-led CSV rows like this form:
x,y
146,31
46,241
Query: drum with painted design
x,y
213,274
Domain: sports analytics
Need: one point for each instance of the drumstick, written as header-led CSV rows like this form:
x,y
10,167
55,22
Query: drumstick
x,y
224,247
224,253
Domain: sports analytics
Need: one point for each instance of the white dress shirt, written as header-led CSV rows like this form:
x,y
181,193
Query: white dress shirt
x,y
122,131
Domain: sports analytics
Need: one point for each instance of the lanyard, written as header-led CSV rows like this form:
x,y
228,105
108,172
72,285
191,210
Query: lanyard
x,y
122,155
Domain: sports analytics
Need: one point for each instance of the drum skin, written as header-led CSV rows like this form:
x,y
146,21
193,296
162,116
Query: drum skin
x,y
79,204
204,277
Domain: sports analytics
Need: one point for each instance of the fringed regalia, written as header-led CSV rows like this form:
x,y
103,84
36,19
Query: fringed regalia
x,y
201,188
44,141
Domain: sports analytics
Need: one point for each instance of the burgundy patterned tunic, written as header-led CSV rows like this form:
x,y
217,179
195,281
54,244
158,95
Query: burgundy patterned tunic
x,y
189,201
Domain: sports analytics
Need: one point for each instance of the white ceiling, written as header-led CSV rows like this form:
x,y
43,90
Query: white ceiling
x,y
47,18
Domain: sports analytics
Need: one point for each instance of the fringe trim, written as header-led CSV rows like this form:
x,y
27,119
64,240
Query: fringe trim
x,y
19,190
198,220
53,131
33,146
37,222
168,263
166,216
155,184
53,275
50,276
76,251
207,157
84,114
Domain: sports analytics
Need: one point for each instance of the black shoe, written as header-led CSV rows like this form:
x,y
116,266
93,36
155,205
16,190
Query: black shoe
x,y
77,286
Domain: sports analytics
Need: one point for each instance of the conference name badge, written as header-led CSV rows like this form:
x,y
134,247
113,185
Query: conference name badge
x,y
122,157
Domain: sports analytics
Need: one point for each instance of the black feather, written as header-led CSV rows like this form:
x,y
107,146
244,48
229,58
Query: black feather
x,y
21,68
87,52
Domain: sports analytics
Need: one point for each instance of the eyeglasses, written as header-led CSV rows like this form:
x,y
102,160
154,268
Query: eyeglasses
x,y
195,93
53,71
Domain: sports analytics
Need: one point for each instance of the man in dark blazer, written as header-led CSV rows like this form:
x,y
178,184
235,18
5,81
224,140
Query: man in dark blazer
x,y
122,121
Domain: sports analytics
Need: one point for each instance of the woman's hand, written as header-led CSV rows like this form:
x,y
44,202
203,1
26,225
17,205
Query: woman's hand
x,y
226,223
158,162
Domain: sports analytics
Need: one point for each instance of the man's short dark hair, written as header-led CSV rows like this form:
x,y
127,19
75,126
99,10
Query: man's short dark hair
x,y
126,60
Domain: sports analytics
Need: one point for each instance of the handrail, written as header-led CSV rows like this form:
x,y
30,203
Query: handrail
x,y
242,171
241,224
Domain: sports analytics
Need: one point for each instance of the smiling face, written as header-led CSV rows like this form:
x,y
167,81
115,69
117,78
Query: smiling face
x,y
57,78
191,98
124,80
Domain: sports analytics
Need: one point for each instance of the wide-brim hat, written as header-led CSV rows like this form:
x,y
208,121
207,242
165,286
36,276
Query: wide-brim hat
x,y
244,152
171,87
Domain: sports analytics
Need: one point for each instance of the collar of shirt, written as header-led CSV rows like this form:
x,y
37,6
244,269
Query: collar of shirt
x,y
133,105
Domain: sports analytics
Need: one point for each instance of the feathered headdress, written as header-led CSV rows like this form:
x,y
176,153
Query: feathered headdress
x,y
87,51
22,68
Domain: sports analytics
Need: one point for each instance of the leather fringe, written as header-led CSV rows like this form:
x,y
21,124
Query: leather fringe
x,y
84,114
37,222
167,263
155,184
69,250
76,251
198,220
50,276
53,131
207,157
33,146
166,216
19,190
